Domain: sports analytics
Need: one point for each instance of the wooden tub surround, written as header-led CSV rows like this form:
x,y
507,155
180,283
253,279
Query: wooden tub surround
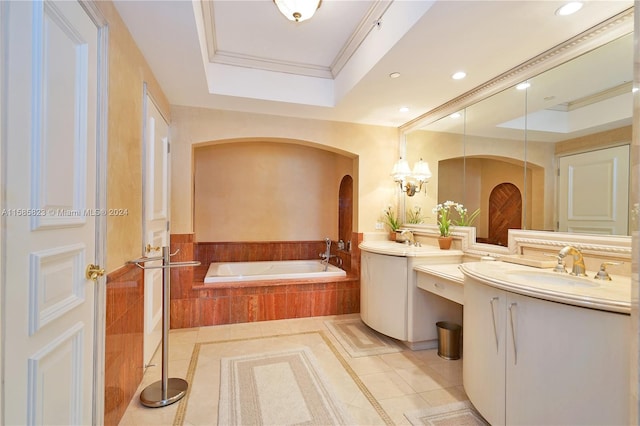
x,y
194,304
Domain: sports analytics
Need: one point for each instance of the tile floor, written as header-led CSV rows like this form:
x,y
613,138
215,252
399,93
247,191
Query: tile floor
x,y
399,382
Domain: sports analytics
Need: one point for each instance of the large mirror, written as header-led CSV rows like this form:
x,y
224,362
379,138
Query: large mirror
x,y
552,154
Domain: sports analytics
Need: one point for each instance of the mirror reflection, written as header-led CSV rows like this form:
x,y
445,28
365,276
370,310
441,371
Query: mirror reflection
x,y
553,155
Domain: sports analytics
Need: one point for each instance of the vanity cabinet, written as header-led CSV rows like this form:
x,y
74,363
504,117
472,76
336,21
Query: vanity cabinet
x,y
390,300
529,361
383,294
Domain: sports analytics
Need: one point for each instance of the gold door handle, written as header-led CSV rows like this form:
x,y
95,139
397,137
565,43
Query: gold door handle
x,y
93,272
150,248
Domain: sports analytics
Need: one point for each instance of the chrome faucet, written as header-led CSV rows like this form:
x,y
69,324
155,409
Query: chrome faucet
x,y
578,267
327,253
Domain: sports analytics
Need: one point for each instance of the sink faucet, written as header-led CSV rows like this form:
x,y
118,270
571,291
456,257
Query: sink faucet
x,y
578,261
407,236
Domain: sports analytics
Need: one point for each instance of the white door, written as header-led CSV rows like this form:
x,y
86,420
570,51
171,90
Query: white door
x,y
156,220
50,222
593,192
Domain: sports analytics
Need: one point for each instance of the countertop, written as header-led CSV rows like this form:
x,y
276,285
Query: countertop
x,y
393,248
613,296
449,272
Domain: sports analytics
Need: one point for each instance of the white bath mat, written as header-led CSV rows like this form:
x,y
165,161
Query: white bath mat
x,y
360,340
279,388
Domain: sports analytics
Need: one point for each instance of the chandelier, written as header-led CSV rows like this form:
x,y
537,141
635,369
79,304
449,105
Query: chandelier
x,y
298,10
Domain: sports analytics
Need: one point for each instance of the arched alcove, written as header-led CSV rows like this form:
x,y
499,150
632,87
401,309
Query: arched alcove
x,y
345,209
257,190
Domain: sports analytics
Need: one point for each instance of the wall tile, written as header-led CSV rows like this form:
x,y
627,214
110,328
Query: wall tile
x,y
195,304
123,340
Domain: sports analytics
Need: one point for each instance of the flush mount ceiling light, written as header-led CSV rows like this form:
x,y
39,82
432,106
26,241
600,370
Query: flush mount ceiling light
x,y
404,109
411,181
459,75
523,86
569,8
298,10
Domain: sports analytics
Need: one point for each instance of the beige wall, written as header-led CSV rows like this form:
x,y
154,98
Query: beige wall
x,y
434,147
482,175
600,140
267,191
128,71
374,150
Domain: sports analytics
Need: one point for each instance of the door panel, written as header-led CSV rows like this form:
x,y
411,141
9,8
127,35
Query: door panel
x,y
156,218
50,212
505,212
593,192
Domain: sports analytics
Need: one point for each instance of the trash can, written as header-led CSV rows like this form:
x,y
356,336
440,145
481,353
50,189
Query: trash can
x,y
448,340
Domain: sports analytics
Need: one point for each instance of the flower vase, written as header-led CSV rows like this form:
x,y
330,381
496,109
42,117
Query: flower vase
x,y
445,242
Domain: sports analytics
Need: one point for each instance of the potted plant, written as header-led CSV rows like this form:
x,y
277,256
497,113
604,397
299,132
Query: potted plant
x,y
465,219
414,215
443,214
391,219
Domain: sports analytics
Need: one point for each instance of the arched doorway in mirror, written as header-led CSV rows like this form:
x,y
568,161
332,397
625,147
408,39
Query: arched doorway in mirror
x,y
505,212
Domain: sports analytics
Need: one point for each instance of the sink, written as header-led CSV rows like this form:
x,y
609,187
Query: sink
x,y
543,277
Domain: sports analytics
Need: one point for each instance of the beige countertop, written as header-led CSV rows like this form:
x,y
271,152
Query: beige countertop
x,y
393,248
613,296
449,272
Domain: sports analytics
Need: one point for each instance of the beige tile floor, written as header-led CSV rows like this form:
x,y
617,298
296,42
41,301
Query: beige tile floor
x,y
399,382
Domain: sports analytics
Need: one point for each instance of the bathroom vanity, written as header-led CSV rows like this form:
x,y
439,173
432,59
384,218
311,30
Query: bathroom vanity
x,y
390,300
545,348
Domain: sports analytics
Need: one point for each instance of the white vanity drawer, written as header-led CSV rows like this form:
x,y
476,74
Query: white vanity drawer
x,y
442,287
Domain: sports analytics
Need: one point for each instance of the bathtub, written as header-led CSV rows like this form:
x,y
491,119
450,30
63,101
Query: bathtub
x,y
273,270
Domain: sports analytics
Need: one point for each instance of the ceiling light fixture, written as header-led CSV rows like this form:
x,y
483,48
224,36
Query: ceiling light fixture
x,y
455,115
459,75
298,10
394,75
411,181
404,109
523,86
569,8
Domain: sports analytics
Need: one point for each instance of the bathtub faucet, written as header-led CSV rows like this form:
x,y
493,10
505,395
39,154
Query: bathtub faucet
x,y
327,253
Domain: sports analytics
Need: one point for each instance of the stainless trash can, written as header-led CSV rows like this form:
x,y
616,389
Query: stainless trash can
x,y
448,340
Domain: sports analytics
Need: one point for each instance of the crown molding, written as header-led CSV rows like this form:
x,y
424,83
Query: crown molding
x,y
586,41
215,55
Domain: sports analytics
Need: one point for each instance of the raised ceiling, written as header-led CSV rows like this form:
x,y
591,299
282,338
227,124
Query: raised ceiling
x,y
243,55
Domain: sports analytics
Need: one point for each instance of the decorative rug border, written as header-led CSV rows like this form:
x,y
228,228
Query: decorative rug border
x,y
441,412
181,412
390,345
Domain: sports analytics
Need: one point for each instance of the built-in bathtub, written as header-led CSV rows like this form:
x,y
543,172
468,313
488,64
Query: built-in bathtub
x,y
270,270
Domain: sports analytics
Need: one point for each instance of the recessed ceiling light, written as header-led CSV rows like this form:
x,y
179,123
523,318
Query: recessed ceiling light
x,y
394,75
569,8
523,86
459,75
455,115
404,109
